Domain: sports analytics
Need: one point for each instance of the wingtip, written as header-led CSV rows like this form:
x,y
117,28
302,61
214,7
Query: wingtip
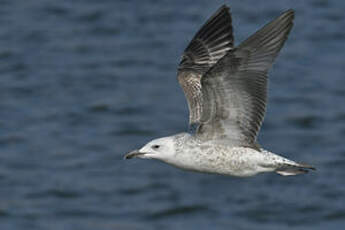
x,y
307,166
289,13
210,43
224,7
292,170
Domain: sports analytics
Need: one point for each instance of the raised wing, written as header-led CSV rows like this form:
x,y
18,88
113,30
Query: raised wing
x,y
210,44
234,90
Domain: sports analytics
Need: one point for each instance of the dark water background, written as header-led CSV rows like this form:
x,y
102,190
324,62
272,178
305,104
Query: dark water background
x,y
83,82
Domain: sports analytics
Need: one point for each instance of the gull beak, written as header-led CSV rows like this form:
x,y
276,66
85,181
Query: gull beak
x,y
132,154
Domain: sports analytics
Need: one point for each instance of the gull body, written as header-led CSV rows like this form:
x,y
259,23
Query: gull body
x,y
226,91
187,152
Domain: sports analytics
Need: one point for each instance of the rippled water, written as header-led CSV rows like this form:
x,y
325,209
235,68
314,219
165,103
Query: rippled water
x,y
83,82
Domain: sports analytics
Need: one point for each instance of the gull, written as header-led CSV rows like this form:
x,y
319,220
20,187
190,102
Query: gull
x,y
226,91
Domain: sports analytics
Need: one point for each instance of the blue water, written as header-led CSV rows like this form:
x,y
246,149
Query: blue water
x,y
83,82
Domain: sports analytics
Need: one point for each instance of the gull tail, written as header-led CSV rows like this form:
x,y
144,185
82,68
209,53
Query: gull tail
x,y
294,169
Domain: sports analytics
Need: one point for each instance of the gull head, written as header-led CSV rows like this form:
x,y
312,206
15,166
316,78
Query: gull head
x,y
161,149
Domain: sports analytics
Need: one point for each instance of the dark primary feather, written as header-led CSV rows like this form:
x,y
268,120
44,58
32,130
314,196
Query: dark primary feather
x,y
234,90
210,44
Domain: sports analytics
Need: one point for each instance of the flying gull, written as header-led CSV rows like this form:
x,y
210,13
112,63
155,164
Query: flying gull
x,y
226,91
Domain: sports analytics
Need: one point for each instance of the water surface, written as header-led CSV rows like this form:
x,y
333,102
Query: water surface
x,y
83,82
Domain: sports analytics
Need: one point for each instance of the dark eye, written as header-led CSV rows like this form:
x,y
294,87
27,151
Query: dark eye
x,y
155,146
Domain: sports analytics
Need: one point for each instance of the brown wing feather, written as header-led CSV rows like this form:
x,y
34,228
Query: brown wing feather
x,y
210,44
234,90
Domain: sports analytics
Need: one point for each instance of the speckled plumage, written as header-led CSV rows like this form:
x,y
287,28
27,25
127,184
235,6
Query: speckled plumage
x,y
211,157
226,91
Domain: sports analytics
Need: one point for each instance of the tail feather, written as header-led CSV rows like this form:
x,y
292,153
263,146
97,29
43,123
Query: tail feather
x,y
292,170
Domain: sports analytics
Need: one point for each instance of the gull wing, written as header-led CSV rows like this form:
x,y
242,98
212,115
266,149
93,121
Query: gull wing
x,y
234,90
210,44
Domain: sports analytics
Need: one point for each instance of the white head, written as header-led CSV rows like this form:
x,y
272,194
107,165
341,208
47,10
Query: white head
x,y
161,149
